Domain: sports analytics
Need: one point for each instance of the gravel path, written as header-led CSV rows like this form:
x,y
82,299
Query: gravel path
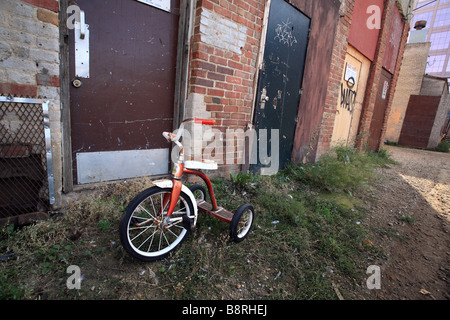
x,y
410,213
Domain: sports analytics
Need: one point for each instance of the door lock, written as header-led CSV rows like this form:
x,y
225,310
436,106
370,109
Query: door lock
x,y
76,83
264,98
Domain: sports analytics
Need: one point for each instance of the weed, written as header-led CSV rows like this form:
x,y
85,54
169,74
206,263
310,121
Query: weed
x,y
243,181
443,146
104,225
407,218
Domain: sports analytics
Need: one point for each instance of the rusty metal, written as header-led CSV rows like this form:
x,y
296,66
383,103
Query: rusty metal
x,y
127,101
393,45
324,18
381,102
26,170
419,120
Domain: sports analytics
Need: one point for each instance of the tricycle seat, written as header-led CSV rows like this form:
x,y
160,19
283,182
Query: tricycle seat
x,y
205,165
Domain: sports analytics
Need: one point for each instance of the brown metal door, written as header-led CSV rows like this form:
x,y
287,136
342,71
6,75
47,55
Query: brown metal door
x,y
379,111
419,121
126,102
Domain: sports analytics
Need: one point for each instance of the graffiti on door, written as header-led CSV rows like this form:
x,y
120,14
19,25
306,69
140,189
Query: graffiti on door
x,y
348,95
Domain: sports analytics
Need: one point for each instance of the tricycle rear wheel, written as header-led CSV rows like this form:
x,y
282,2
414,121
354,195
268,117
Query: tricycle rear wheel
x,y
242,222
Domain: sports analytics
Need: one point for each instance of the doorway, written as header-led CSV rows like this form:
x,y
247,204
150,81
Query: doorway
x,y
279,88
122,88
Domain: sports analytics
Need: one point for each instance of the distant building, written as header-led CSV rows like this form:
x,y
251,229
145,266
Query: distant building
x,y
437,15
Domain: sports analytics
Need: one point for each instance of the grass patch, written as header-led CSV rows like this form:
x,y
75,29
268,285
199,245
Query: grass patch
x,y
443,146
309,234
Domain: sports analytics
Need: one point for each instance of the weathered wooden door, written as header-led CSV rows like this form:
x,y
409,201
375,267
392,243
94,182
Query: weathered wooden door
x,y
379,111
122,67
347,100
280,83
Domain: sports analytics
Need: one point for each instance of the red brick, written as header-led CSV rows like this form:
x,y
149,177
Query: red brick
x,y
206,4
200,46
203,65
229,122
198,73
214,107
202,82
241,89
216,92
239,19
196,89
222,11
225,86
225,70
235,65
232,95
241,4
51,5
200,55
18,89
239,116
231,109
216,76
234,80
243,75
218,60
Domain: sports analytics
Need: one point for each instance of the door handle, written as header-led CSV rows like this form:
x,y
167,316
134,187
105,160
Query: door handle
x,y
82,47
82,24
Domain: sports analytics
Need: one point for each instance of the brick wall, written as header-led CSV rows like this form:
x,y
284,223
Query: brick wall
x,y
394,82
29,60
374,78
224,51
335,77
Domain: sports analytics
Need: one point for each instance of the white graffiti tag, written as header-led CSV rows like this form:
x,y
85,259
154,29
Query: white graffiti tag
x,y
284,33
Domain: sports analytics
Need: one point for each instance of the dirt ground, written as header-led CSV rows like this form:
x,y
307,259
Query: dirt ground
x,y
410,217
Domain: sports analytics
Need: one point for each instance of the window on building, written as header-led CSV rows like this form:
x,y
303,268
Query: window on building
x,y
435,63
442,18
440,40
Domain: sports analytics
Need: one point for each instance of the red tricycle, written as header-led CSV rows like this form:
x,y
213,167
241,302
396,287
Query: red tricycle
x,y
158,219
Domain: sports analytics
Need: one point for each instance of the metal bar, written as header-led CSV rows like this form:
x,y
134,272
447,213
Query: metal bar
x,y
48,151
21,100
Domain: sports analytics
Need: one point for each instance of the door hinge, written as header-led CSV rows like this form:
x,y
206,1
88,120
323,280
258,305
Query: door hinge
x,y
300,92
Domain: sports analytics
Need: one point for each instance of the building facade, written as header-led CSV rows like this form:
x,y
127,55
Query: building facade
x,y
293,77
437,31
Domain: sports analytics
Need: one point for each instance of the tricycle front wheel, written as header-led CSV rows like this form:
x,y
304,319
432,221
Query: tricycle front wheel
x,y
242,222
146,232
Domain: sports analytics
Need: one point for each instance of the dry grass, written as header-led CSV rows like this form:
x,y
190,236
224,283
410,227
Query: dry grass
x,y
305,243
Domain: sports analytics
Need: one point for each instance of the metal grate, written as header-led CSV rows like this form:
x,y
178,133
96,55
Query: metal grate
x,y
26,179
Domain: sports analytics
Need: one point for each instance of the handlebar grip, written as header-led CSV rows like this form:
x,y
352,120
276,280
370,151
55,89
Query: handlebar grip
x,y
208,122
